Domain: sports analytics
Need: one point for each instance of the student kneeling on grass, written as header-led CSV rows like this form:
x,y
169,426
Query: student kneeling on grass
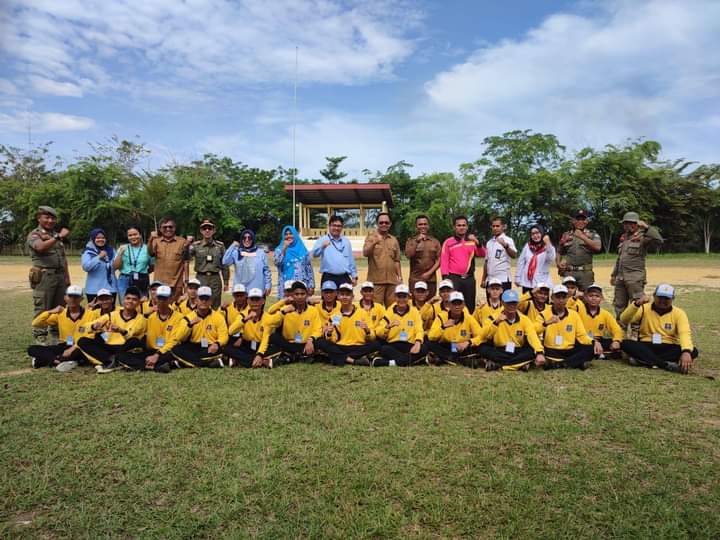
x,y
115,332
250,335
203,337
513,342
665,336
72,322
566,342
455,335
163,327
401,329
348,335
601,326
295,328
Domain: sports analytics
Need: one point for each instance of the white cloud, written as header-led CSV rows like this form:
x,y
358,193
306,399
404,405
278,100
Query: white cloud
x,y
44,122
55,88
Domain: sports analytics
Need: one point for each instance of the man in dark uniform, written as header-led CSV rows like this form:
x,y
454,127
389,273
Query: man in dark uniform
x,y
423,252
207,254
574,256
49,275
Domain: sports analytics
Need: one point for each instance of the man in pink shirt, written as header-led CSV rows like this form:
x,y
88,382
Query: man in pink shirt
x,y
457,259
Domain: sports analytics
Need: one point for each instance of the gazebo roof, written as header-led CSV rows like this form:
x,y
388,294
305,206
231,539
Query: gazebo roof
x,y
341,193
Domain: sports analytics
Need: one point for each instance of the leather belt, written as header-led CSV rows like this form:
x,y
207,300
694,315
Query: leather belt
x,y
580,268
208,273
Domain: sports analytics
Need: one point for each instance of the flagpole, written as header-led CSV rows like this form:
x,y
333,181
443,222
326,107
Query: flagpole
x,y
293,136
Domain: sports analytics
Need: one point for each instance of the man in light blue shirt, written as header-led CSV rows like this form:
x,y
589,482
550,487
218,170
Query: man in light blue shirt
x,y
337,263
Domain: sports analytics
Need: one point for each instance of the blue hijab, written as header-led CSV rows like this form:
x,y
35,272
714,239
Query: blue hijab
x,y
295,252
253,247
93,249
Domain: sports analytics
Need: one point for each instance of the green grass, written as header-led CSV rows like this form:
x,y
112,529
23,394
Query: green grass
x,y
314,451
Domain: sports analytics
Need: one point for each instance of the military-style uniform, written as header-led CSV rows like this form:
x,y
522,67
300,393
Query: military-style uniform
x,y
578,257
47,277
629,272
208,266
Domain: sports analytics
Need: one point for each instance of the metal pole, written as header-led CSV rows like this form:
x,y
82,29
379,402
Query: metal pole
x,y
293,136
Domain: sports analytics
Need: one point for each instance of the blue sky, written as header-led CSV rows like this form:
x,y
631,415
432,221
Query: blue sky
x,y
379,80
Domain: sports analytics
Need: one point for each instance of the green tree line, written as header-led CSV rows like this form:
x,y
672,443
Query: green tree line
x,y
523,176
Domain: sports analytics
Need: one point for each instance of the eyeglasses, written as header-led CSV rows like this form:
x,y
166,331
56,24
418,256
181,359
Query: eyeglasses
x,y
168,227
206,228
383,223
247,237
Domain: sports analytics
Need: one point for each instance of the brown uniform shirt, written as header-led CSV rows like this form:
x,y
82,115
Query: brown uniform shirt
x,y
170,257
381,262
630,264
426,255
51,258
577,252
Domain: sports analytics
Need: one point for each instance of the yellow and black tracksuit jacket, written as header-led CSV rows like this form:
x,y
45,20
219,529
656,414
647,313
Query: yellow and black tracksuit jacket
x,y
252,331
520,332
600,325
297,326
211,327
427,314
147,307
346,330
376,312
409,330
134,327
466,329
231,313
162,332
185,307
277,306
671,326
487,312
325,313
69,329
563,334
527,307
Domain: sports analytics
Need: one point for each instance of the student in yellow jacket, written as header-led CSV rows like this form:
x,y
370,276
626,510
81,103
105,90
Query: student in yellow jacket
x,y
188,302
328,302
250,335
164,325
565,340
150,305
455,335
348,336
665,335
535,305
401,332
488,309
368,303
203,335
421,302
115,332
601,326
72,323
238,307
512,343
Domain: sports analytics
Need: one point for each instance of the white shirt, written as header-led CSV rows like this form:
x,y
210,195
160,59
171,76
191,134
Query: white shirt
x,y
497,258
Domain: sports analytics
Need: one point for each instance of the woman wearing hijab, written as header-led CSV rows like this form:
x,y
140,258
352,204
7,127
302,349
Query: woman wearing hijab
x,y
134,263
251,263
96,260
533,265
293,261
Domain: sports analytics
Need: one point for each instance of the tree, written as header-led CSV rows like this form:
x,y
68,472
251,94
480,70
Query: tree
x,y
705,200
330,172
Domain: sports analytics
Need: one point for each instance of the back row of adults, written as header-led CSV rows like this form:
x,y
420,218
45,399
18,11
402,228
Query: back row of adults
x,y
168,256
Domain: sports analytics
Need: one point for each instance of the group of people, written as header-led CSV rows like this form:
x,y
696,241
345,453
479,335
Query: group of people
x,y
174,321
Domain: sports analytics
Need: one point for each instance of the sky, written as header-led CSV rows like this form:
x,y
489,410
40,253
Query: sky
x,y
377,80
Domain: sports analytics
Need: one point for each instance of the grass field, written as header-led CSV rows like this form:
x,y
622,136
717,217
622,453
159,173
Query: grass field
x,y
315,451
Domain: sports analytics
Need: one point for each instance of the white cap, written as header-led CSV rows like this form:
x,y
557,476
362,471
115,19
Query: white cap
x,y
421,285
594,286
255,293
74,290
194,281
163,291
560,289
446,283
402,289
494,281
543,285
239,287
367,285
104,292
569,279
456,295
346,286
288,284
204,291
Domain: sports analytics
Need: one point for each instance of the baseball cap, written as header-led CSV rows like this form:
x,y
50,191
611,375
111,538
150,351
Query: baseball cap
x,y
421,285
239,288
446,283
542,285
569,279
595,286
204,292
494,281
156,283
581,214
510,295
288,285
456,296
329,286
255,293
402,289
367,285
346,287
194,281
104,292
164,291
557,289
665,290
74,290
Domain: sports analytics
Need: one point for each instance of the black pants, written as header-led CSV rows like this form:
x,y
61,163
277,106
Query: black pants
x,y
51,355
444,352
498,355
136,358
400,352
652,354
338,353
606,342
99,353
280,344
193,355
467,286
569,358
338,279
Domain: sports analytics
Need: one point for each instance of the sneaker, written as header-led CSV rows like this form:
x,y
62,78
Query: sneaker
x,y
163,368
672,366
112,366
284,359
67,365
270,363
217,363
633,361
362,361
231,362
491,366
585,365
34,362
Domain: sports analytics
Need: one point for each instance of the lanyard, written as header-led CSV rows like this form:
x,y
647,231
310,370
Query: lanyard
x,y
134,261
333,242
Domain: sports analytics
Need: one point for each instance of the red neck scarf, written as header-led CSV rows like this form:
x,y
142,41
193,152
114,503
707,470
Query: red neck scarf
x,y
536,249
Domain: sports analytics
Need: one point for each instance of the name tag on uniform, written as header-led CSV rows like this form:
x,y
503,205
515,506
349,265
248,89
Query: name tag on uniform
x,y
498,253
81,329
253,345
298,337
204,342
69,341
236,334
208,258
668,326
657,339
136,276
336,320
590,334
558,340
410,323
105,336
453,347
403,336
510,347
159,342
306,323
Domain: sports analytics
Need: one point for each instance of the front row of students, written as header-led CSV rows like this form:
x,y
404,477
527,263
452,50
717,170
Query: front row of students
x,y
509,331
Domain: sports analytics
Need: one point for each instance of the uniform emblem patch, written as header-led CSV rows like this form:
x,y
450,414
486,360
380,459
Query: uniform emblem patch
x,y
668,326
569,328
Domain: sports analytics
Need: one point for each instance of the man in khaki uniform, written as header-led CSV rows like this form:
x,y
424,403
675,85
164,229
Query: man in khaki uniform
x,y
170,252
208,254
423,251
575,253
383,253
629,276
49,275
